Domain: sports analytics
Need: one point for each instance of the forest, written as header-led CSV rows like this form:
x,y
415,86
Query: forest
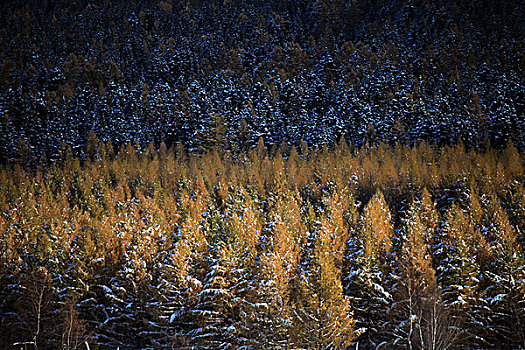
x,y
311,248
288,71
281,174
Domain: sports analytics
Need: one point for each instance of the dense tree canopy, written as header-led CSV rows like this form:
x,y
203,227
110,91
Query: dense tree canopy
x,y
224,73
147,248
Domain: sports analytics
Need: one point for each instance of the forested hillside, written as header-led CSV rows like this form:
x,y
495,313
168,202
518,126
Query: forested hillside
x,y
231,71
241,174
389,247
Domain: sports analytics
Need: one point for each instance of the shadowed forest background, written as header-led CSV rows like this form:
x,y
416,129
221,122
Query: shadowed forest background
x,y
262,175
286,71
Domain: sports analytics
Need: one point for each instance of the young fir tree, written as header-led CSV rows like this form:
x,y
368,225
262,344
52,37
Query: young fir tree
x,y
515,206
420,320
174,289
267,312
366,279
505,279
459,275
120,291
244,230
321,314
214,314
179,283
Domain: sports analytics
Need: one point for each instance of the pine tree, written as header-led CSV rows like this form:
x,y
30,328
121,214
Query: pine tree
x,y
321,313
175,291
377,228
422,322
213,316
366,279
459,275
266,312
515,206
505,278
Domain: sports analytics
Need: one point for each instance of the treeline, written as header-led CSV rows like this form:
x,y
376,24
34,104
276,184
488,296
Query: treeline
x,y
390,247
291,70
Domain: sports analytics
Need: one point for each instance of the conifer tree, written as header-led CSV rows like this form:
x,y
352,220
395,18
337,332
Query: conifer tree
x,y
213,314
152,251
321,314
366,280
420,321
266,320
428,216
477,240
244,231
377,228
515,206
334,225
505,279
459,274
266,314
175,291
